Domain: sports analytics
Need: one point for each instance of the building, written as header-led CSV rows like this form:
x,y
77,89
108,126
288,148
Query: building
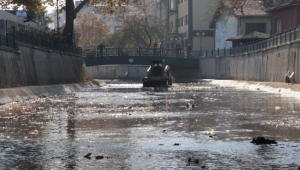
x,y
285,15
30,16
240,25
8,20
189,23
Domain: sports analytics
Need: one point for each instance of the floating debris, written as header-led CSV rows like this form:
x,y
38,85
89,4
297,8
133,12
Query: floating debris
x,y
277,108
261,140
88,156
99,157
196,161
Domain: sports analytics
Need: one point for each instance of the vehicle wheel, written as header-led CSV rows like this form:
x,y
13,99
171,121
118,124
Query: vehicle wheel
x,y
170,81
145,83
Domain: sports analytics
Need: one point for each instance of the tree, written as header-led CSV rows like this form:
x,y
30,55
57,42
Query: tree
x,y
34,5
111,8
90,30
139,29
237,6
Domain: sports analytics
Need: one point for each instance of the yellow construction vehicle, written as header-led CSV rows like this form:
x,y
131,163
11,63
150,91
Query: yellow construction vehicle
x,y
158,74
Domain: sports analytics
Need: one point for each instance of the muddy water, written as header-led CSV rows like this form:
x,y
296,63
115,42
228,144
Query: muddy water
x,y
151,128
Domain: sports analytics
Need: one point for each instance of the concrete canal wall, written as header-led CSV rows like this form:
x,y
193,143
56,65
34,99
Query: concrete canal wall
x,y
116,72
267,65
28,66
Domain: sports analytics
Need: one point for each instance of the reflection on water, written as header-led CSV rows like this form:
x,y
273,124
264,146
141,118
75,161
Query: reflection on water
x,y
136,128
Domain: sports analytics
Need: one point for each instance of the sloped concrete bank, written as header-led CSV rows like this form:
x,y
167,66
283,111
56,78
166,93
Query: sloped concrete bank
x,y
9,95
30,66
267,65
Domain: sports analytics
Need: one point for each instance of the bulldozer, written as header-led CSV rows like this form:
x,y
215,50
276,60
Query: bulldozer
x,y
158,74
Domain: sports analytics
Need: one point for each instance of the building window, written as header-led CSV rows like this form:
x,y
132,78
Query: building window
x,y
186,20
171,4
278,26
183,21
259,27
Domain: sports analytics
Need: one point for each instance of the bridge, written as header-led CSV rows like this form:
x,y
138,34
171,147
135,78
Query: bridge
x,y
142,56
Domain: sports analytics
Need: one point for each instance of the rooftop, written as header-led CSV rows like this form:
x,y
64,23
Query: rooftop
x,y
247,8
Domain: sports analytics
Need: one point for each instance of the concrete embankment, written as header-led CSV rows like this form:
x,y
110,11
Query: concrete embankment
x,y
268,65
132,72
29,66
9,95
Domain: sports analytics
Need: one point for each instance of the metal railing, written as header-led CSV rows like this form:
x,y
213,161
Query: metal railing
x,y
37,41
7,41
260,45
51,44
141,52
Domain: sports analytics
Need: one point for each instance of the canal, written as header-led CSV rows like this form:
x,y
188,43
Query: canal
x,y
120,125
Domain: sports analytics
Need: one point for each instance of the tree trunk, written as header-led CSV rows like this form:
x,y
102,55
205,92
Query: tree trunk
x,y
69,26
71,12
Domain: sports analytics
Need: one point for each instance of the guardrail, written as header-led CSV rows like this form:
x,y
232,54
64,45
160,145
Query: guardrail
x,y
37,41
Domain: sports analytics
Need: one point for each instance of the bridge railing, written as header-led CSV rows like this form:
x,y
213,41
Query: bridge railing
x,y
142,52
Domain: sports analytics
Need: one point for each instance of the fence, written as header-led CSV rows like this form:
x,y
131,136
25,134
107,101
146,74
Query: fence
x,y
7,41
51,44
37,41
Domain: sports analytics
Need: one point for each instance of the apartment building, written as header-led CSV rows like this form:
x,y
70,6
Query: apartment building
x,y
189,23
